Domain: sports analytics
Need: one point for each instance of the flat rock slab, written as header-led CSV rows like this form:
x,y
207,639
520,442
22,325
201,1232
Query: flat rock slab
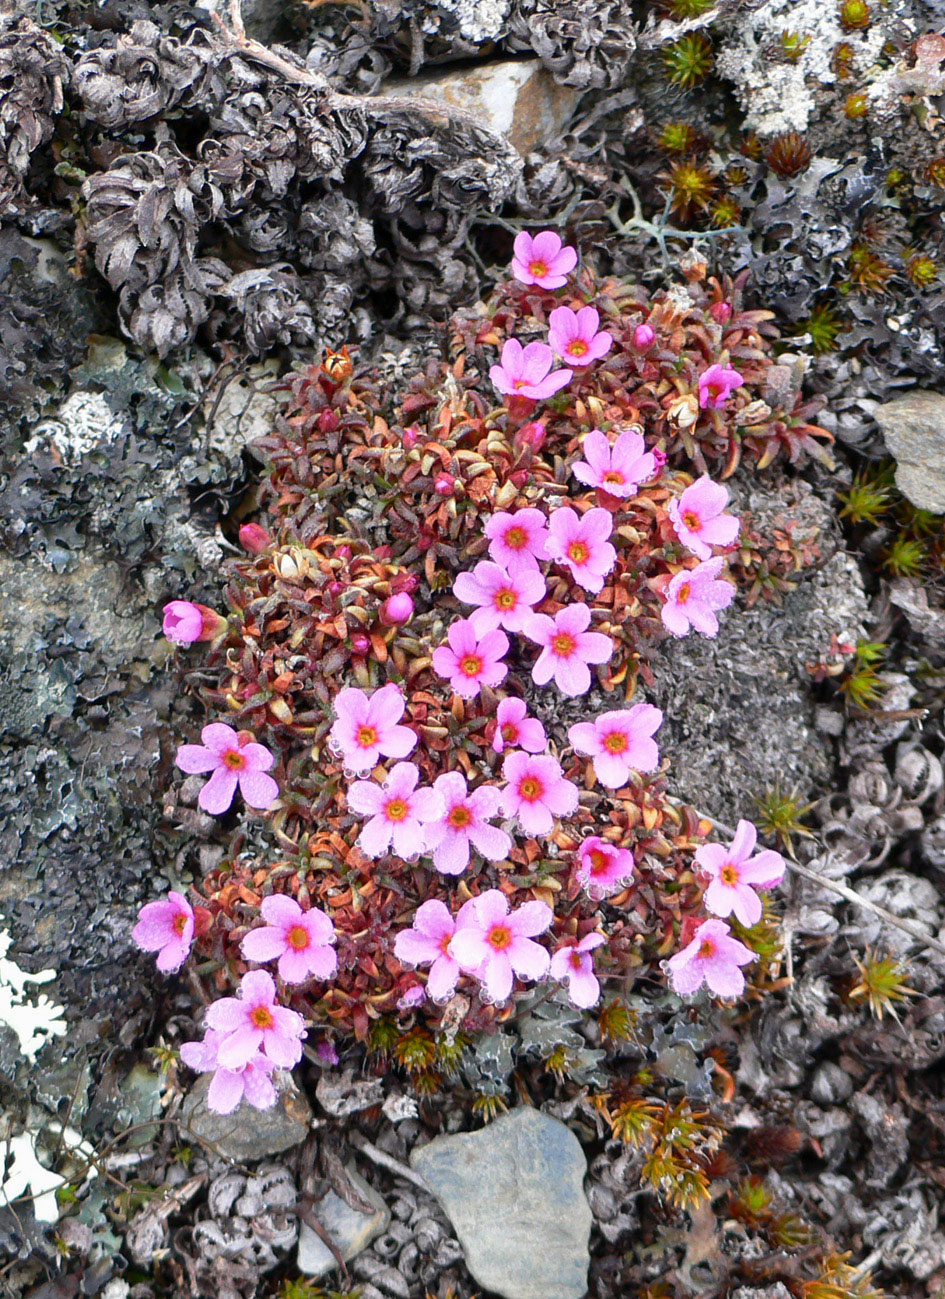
x,y
247,1134
514,1192
350,1229
914,429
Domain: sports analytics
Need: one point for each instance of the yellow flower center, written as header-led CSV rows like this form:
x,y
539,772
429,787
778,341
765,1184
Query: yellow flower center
x,y
614,476
578,552
506,599
460,817
692,520
577,348
531,789
575,959
616,742
683,594
367,737
729,875
599,861
180,924
396,809
261,1017
500,937
471,665
538,269
706,949
298,938
235,760
563,645
510,732
444,946
516,538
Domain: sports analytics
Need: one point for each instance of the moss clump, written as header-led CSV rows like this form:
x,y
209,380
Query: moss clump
x,y
689,60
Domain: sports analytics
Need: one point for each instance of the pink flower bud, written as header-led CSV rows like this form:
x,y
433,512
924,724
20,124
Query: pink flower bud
x,y
659,458
396,609
186,622
335,588
411,436
328,421
531,435
254,538
643,337
325,1050
360,644
444,484
721,311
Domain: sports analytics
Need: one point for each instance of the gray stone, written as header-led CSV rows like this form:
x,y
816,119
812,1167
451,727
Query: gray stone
x,y
351,1230
914,429
514,1194
247,1134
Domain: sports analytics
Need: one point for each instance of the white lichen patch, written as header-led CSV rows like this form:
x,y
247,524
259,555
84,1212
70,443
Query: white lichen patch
x,y
25,1175
479,20
83,422
33,1020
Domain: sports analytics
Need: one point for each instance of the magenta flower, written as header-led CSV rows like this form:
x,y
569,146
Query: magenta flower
x,y
364,727
517,540
566,648
471,661
536,792
515,730
398,811
396,610
505,599
699,520
498,943
524,371
542,260
735,875
617,469
301,940
185,622
428,940
575,337
713,958
234,760
580,542
602,868
166,927
715,384
250,1082
644,337
694,596
576,964
465,821
620,742
252,1022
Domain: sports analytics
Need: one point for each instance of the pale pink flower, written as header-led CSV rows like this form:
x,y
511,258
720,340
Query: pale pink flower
x,y
566,648
543,259
576,964
301,940
713,958
166,927
497,944
715,384
620,742
644,337
735,875
694,596
617,469
505,599
366,727
398,811
252,1022
517,540
250,1081
536,792
186,622
515,730
234,759
574,335
524,371
471,661
427,942
602,868
465,822
699,520
580,542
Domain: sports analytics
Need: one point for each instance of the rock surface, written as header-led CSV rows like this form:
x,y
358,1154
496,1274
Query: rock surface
x,y
914,429
247,1134
351,1230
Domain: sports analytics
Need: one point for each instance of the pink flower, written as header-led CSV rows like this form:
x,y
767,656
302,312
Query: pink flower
x,y
542,260
505,599
428,940
414,996
364,728
536,792
185,622
574,335
396,610
398,811
234,760
602,868
465,821
515,730
576,964
713,958
250,1081
620,742
471,661
698,518
300,939
735,875
251,1022
580,542
166,927
643,337
524,371
694,596
517,540
617,469
498,943
715,384
567,648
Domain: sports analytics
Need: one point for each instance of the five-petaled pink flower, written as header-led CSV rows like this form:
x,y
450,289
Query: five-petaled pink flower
x,y
517,540
365,727
715,384
524,371
471,661
250,1082
505,598
515,730
576,964
536,792
428,940
398,811
465,820
699,520
498,943
301,940
252,1021
602,868
735,875
620,742
575,337
235,759
580,542
166,927
542,259
693,598
566,648
617,469
185,622
713,958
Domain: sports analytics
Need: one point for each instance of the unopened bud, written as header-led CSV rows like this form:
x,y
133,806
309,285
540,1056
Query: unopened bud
x,y
254,538
444,484
721,312
186,622
360,644
396,610
644,337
